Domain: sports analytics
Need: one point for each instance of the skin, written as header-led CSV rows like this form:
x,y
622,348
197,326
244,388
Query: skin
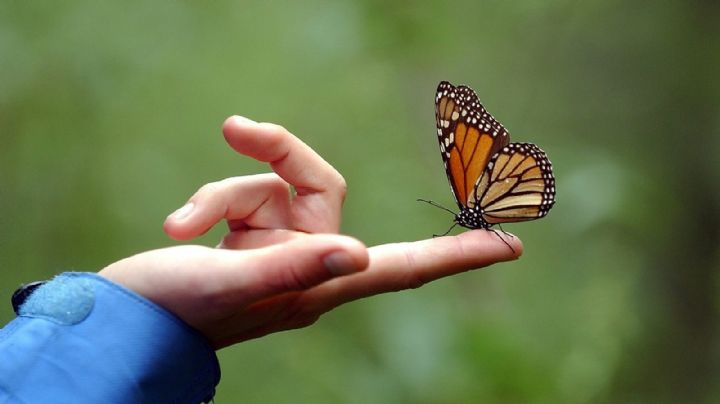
x,y
282,263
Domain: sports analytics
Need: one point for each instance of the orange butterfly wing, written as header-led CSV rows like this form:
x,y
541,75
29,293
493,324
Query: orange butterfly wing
x,y
468,137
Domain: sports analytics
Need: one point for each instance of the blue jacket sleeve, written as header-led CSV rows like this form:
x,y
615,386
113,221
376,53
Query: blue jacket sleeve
x,y
82,339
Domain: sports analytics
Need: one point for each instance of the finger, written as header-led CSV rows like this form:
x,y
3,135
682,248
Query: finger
x,y
401,266
320,188
247,239
255,201
296,265
393,267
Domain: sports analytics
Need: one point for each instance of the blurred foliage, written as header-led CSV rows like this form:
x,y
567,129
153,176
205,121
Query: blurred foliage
x,y
110,116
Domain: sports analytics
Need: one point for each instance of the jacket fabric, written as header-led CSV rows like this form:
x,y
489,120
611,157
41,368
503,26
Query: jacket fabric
x,y
80,338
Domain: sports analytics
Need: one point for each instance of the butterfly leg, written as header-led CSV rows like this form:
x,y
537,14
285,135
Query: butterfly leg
x,y
497,233
446,233
504,232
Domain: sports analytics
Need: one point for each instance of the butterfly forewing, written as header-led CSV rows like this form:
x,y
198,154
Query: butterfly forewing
x,y
468,137
493,181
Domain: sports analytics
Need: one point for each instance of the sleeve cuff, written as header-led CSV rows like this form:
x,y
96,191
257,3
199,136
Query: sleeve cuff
x,y
108,344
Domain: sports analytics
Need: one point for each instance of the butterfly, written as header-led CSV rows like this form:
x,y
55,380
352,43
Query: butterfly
x,y
493,181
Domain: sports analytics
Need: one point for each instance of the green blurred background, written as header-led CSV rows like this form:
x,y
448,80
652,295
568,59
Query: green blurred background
x,y
110,117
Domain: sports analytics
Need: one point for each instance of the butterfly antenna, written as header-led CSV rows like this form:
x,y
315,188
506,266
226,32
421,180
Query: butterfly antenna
x,y
437,205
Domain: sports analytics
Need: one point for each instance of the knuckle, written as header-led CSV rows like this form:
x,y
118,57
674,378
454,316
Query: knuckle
x,y
413,281
279,187
302,320
296,280
277,129
341,185
209,188
412,278
306,321
276,144
292,279
299,316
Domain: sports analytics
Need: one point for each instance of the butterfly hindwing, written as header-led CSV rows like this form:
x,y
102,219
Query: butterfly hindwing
x,y
518,185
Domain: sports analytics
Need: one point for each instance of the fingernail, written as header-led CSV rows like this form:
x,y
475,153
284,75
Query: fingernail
x,y
183,212
340,263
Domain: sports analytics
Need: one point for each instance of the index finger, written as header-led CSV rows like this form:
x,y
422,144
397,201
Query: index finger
x,y
320,188
400,266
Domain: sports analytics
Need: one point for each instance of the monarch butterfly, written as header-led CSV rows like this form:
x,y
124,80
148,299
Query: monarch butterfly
x,y
493,181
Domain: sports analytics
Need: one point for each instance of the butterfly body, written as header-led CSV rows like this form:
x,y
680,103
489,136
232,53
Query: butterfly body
x,y
471,219
493,181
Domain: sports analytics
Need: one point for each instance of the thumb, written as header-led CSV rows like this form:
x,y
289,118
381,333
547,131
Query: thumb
x,y
295,265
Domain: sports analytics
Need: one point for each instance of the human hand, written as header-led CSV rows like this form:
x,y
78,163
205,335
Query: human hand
x,y
277,269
